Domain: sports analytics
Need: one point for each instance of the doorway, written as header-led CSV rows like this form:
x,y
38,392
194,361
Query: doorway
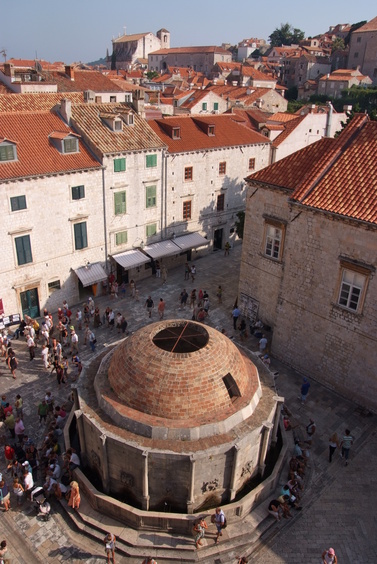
x,y
218,239
30,303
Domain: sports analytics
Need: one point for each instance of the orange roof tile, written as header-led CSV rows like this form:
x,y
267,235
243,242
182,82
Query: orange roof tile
x,y
82,80
333,175
229,132
369,26
36,102
36,154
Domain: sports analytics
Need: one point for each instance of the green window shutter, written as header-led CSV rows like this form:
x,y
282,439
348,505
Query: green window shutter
x,y
7,153
119,165
151,196
215,105
18,203
121,238
119,203
151,161
151,230
70,145
23,249
81,239
204,106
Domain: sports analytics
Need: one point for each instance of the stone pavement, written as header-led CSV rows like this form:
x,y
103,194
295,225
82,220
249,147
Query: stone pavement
x,y
338,501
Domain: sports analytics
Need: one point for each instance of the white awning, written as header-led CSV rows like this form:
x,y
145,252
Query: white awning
x,y
131,259
190,241
162,249
91,274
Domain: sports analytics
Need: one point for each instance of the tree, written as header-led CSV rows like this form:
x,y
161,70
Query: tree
x,y
240,223
113,61
152,74
338,43
286,35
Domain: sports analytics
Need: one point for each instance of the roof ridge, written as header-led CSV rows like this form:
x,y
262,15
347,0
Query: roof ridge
x,y
339,145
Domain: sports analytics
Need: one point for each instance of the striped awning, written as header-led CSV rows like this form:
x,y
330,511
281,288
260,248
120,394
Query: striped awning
x,y
131,259
91,274
190,241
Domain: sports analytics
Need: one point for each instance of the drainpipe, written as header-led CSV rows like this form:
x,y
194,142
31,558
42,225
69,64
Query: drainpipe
x,y
104,216
329,119
165,188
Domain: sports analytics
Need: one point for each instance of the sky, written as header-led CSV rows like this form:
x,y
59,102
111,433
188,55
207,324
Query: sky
x,y
82,30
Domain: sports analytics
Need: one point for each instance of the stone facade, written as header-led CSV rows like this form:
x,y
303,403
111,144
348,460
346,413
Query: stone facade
x,y
128,49
363,50
298,294
200,59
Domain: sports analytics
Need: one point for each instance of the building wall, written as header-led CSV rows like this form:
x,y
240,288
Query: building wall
x,y
310,130
207,185
128,52
200,62
272,102
298,295
48,220
210,100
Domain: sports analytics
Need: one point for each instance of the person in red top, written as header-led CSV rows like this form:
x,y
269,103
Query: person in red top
x,y
9,456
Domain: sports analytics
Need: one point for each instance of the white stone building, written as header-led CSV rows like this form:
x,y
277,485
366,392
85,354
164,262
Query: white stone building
x,y
309,260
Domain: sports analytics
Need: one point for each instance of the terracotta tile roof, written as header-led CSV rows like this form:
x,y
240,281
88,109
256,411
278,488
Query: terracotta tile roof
x,y
122,84
228,66
36,102
369,26
127,38
194,98
36,154
333,175
252,118
229,132
83,80
254,73
282,117
197,49
289,126
85,117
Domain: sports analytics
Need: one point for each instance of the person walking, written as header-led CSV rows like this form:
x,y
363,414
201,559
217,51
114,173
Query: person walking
x,y
12,362
226,249
187,271
149,304
109,541
4,495
329,557
42,411
3,550
199,530
193,273
235,315
183,299
219,294
92,341
164,274
74,497
347,442
31,346
19,429
219,520
161,308
333,444
304,390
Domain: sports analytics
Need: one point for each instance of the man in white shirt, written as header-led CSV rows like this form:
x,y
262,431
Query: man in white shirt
x,y
28,483
31,346
74,342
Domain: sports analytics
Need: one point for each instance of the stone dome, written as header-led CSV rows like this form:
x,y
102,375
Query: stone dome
x,y
180,374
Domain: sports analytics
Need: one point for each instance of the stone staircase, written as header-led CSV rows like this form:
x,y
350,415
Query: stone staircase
x,y
238,538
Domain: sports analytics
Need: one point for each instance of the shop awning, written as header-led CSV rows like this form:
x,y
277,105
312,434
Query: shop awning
x,y
162,249
190,241
131,259
91,274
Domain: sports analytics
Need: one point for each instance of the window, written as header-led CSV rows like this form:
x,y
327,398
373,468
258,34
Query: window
x,y
81,239
204,106
129,119
128,97
119,203
176,133
211,130
351,289
119,165
121,238
70,145
215,106
251,164
118,125
52,286
23,250
231,386
222,168
150,197
358,40
113,98
151,161
220,202
274,232
7,152
188,173
187,210
356,54
18,203
78,192
151,230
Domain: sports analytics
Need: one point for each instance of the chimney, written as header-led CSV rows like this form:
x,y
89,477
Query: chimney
x,y
68,69
65,110
329,119
9,70
311,109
